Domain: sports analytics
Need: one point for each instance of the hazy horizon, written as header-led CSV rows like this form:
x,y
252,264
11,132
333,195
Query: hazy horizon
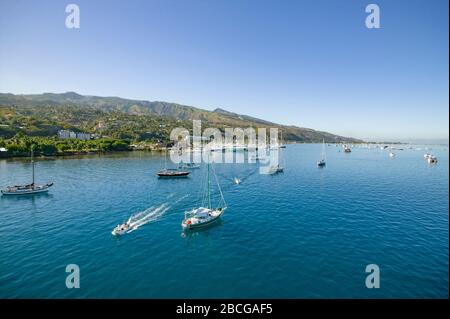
x,y
308,64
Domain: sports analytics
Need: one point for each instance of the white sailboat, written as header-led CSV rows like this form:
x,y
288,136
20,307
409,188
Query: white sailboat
x,y
206,214
322,162
28,188
282,145
275,169
188,165
278,143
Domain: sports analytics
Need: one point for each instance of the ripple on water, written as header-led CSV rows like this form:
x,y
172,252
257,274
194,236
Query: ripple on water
x,y
308,232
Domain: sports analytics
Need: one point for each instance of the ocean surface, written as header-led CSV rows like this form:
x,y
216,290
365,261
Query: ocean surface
x,y
304,233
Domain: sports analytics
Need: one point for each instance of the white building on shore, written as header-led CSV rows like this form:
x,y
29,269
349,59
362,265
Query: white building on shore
x,y
84,136
63,134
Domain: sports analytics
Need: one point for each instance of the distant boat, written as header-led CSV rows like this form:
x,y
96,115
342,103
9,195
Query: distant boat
x,y
171,172
189,166
281,140
204,216
279,144
321,162
347,149
275,169
432,159
28,188
237,180
391,154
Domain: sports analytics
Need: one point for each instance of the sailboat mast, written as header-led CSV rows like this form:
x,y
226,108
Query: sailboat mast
x,y
323,149
165,158
209,188
32,162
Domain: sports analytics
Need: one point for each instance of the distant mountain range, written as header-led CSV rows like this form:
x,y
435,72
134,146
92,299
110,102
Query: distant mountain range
x,y
98,106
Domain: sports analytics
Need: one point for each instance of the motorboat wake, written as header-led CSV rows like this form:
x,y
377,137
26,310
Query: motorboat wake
x,y
146,216
139,219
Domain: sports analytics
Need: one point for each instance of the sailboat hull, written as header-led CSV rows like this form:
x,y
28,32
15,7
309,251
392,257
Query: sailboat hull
x,y
26,191
172,174
188,225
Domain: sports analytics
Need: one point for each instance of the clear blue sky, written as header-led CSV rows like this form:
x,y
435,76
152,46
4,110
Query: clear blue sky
x,y
307,63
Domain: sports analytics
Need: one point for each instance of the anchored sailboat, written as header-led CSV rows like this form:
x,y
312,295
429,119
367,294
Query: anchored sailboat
x,y
205,216
28,188
275,169
171,172
282,145
189,165
322,162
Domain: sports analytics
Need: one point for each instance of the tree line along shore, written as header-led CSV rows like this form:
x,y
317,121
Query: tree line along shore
x,y
20,146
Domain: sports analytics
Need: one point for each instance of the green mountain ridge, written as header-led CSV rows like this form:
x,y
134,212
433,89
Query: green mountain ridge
x,y
95,110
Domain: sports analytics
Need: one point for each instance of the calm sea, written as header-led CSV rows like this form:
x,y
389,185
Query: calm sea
x,y
304,233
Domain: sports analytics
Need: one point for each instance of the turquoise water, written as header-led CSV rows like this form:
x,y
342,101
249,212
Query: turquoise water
x,y
305,233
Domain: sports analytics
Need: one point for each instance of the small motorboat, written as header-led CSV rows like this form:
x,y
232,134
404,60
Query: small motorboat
x,y
121,229
172,173
426,156
237,180
321,163
391,154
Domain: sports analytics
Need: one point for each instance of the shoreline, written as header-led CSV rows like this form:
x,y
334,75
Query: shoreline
x,y
74,154
161,150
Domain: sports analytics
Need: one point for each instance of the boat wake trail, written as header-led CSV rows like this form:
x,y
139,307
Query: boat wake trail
x,y
248,175
149,215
